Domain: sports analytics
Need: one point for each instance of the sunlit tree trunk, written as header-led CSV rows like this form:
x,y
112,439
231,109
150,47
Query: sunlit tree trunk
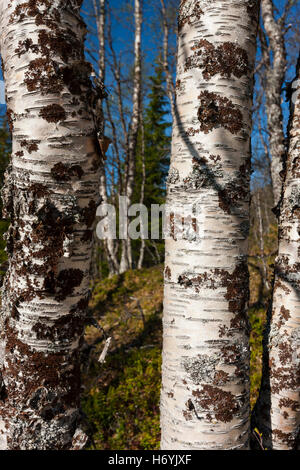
x,y
275,73
143,243
205,374
277,413
100,12
169,81
50,197
126,257
257,205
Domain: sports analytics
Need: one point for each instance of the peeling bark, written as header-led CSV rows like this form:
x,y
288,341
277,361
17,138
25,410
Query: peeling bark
x,y
205,374
50,197
277,412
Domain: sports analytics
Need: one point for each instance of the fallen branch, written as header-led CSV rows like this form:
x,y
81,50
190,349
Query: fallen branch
x,y
105,350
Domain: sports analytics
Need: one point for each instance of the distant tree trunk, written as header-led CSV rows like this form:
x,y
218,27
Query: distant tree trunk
x,y
277,412
169,81
205,374
275,74
126,257
143,243
261,243
50,197
100,12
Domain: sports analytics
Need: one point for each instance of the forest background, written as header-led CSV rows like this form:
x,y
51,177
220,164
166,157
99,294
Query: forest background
x,y
121,396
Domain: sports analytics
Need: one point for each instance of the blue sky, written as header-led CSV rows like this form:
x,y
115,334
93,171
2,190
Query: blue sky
x,y
123,33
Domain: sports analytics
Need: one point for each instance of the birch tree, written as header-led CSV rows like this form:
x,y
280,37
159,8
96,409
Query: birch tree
x,y
169,80
274,55
277,413
126,257
205,374
100,14
50,197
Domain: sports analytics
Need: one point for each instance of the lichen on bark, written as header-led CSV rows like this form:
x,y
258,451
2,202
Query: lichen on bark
x,y
277,411
205,371
50,196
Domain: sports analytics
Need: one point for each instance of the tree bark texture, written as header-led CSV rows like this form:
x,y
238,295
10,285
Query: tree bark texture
x,y
205,374
277,412
100,12
126,256
50,196
275,73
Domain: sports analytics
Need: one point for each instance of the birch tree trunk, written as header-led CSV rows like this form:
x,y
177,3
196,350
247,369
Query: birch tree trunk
x,y
275,74
205,374
261,242
277,413
169,81
143,243
100,12
50,197
126,256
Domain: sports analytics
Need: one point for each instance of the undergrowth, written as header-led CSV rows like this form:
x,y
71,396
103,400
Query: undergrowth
x,y
121,398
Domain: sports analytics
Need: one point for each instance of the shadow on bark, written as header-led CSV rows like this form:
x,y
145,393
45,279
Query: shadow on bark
x,y
261,302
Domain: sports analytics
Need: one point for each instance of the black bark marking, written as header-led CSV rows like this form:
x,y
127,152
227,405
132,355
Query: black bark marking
x,y
53,113
215,400
89,213
286,377
285,314
287,438
167,273
42,75
189,12
288,403
30,145
62,172
227,59
10,114
217,111
236,191
67,281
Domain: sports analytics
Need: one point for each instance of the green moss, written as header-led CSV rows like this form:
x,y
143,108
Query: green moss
x,y
125,412
122,396
257,320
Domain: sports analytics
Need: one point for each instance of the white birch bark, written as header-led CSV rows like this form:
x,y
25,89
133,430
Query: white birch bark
x,y
275,74
100,12
143,243
50,197
205,373
169,81
277,413
261,243
126,256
